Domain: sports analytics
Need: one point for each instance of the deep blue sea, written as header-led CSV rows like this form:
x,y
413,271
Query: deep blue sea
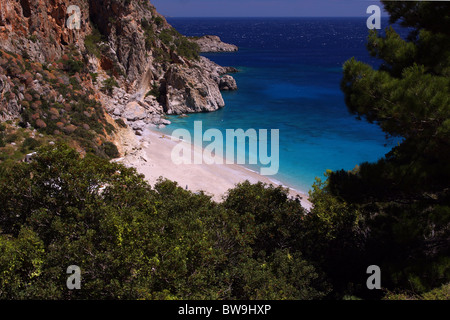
x,y
289,79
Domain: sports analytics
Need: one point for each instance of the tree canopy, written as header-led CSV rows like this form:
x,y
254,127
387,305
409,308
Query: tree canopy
x,y
132,241
404,198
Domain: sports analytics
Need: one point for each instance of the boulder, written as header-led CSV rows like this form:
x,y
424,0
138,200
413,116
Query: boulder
x,y
138,125
227,83
134,112
191,90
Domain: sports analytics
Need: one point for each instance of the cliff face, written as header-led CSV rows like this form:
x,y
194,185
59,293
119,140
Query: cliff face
x,y
124,53
38,27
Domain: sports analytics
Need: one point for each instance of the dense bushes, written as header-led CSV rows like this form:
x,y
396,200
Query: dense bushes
x,y
401,203
171,39
29,144
2,135
121,123
92,42
135,242
111,150
188,49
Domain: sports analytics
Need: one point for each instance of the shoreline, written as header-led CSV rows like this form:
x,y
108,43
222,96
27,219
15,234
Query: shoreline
x,y
150,154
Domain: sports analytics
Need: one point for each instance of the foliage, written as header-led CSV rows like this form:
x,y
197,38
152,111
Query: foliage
x,y
111,150
149,33
154,92
11,138
109,85
135,242
188,49
265,226
394,213
441,293
121,123
92,42
331,238
73,66
94,76
29,144
180,44
159,21
166,36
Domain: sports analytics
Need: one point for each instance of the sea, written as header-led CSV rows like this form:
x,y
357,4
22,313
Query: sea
x,y
289,77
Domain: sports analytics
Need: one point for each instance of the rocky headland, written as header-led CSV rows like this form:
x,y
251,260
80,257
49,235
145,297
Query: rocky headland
x,y
210,43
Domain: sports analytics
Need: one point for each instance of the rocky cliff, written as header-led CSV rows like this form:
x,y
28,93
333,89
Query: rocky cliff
x,y
120,55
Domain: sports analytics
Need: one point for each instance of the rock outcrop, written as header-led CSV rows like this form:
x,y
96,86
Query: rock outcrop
x,y
9,105
213,44
136,65
37,28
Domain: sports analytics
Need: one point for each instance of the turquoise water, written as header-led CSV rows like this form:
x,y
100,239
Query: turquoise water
x,y
290,72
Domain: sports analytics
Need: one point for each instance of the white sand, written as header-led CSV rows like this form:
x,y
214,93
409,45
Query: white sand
x,y
151,153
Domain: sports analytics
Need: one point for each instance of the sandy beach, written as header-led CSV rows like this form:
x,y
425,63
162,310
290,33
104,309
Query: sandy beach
x,y
150,154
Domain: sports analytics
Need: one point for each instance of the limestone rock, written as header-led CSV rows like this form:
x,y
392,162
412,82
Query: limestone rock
x,y
191,90
213,44
134,112
227,83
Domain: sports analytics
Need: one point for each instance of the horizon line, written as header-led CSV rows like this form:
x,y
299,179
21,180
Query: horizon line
x,y
227,17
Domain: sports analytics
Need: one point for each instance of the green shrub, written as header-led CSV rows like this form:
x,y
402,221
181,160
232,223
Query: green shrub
x,y
11,138
150,39
180,44
159,21
188,49
94,76
160,55
121,123
83,133
109,128
145,24
29,144
73,66
111,150
109,84
92,42
166,36
154,92
25,55
75,84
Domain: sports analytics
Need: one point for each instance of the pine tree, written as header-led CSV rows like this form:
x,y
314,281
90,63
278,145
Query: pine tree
x,y
403,199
